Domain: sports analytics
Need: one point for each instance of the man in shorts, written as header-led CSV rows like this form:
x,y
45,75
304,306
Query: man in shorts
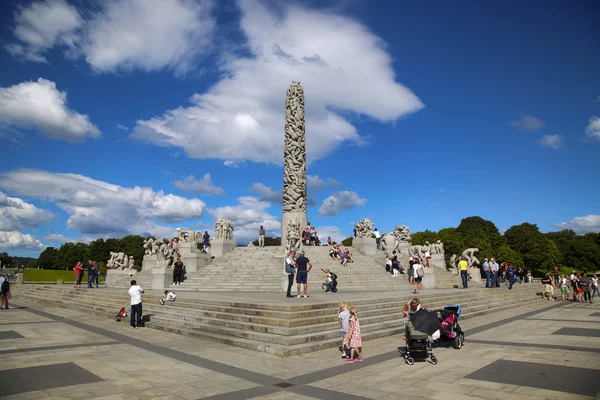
x,y
302,272
548,286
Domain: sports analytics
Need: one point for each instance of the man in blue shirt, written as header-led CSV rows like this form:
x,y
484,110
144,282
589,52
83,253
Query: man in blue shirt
x,y
90,272
302,272
206,240
486,272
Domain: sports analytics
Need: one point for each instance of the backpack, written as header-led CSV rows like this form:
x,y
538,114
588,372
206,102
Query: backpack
x,y
333,276
5,286
420,272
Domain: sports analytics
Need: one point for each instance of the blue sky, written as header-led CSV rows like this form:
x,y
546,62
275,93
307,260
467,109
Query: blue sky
x,y
113,114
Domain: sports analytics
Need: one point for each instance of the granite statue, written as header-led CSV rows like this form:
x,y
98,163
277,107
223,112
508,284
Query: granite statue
x,y
394,241
363,228
469,256
453,261
224,229
293,238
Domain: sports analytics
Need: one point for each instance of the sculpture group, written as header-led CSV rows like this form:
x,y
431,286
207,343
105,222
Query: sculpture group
x,y
397,239
223,229
294,236
120,261
363,228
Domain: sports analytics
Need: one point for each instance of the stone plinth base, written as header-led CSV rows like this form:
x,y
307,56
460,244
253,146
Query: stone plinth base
x,y
161,278
149,263
366,246
218,247
438,261
403,248
475,275
194,261
428,281
112,276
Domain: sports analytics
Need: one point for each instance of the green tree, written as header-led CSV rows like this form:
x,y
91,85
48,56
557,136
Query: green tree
x,y
347,242
132,245
419,238
69,254
5,260
582,254
506,254
47,258
482,229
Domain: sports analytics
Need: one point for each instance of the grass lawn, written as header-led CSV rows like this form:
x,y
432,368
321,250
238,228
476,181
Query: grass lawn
x,y
51,275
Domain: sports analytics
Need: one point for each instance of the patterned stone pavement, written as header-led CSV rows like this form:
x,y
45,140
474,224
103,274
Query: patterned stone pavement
x,y
540,351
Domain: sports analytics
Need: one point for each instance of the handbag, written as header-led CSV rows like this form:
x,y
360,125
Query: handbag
x,y
420,272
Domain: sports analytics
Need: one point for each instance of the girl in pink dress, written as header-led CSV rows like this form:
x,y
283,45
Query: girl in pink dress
x,y
353,338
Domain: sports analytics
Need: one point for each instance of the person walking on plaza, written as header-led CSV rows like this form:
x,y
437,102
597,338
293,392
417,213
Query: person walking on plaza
x,y
261,236
78,270
178,272
4,292
290,269
353,338
564,288
96,272
510,275
344,320
548,286
586,283
594,286
135,292
463,267
302,272
487,272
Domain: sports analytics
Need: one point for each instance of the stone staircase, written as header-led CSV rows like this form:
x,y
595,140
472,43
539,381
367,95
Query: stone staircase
x,y
284,328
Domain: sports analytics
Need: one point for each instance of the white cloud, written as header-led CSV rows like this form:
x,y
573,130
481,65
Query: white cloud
x,y
205,185
59,238
122,127
315,183
528,123
40,105
582,225
231,164
593,129
247,217
119,35
16,213
330,231
551,141
148,35
18,240
43,25
266,193
344,200
97,207
340,63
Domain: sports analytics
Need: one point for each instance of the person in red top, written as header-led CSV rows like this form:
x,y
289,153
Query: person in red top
x,y
78,269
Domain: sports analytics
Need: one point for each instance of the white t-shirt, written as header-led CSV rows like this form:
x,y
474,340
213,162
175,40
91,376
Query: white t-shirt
x,y
572,277
594,282
563,282
136,294
427,254
416,267
377,234
171,296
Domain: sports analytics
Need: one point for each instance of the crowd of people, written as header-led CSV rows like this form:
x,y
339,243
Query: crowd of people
x,y
309,236
575,287
344,256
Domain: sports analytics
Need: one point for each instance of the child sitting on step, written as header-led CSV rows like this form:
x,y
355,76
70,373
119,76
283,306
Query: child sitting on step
x,y
170,296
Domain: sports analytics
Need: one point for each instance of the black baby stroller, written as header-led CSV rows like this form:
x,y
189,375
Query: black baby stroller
x,y
333,283
417,330
450,329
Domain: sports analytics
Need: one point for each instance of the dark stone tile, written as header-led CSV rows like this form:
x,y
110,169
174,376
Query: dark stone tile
x,y
581,381
10,335
31,379
578,332
596,314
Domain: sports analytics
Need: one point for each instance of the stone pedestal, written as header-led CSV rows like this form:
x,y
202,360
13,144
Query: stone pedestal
x,y
285,220
218,247
438,261
428,281
112,276
367,246
403,248
148,263
161,278
475,275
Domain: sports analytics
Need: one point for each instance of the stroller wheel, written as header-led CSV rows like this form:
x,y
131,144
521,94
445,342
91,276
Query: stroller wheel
x,y
433,359
457,344
409,360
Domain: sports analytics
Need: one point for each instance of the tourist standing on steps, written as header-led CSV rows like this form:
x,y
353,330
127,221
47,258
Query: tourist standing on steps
x,y
135,292
90,273
261,236
302,272
486,272
96,272
463,267
290,269
494,267
418,275
178,272
206,241
78,270
4,292
377,237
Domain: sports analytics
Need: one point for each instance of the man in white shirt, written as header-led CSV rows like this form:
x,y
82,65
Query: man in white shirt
x,y
290,270
377,236
169,296
135,292
487,273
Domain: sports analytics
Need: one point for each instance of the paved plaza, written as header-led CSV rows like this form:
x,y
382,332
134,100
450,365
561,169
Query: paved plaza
x,y
539,351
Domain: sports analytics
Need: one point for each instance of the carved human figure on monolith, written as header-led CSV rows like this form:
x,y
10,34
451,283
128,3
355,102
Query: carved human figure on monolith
x,y
469,256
